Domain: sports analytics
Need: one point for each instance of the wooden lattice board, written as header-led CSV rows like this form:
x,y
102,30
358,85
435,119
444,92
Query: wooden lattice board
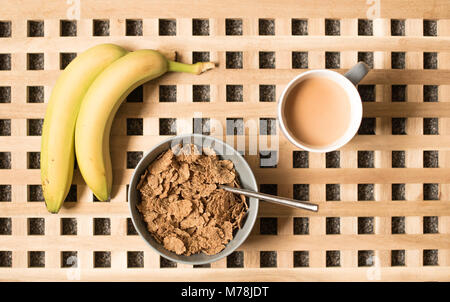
x,y
349,239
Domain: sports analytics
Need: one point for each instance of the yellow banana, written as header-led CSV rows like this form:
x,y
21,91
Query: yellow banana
x,y
100,105
57,145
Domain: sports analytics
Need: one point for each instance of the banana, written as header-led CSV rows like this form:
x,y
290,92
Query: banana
x,y
57,145
101,103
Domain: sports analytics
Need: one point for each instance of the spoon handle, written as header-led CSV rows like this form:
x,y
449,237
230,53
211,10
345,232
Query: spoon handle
x,y
272,198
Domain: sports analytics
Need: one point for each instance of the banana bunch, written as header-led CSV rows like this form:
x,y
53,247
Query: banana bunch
x,y
80,112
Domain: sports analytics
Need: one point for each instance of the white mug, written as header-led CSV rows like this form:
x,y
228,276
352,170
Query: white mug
x,y
347,82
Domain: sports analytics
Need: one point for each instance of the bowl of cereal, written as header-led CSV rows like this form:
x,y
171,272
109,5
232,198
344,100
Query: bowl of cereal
x,y
177,206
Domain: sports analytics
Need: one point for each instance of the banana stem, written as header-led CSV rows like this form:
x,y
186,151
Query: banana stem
x,y
196,68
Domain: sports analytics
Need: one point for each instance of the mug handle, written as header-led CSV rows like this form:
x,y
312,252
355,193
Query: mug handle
x,y
357,72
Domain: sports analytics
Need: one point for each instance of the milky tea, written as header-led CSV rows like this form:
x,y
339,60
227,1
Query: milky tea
x,y
317,112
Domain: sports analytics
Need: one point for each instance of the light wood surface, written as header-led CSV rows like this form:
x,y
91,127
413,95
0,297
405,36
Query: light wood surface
x,y
414,242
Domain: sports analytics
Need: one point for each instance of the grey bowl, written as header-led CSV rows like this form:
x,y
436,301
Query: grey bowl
x,y
225,151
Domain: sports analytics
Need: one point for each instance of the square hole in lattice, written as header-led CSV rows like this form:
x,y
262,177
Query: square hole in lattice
x,y
100,27
233,27
200,27
266,27
5,61
34,159
235,259
69,259
332,27
431,126
367,92
268,226
301,192
200,56
266,59
333,159
368,126
300,59
301,225
398,225
5,127
166,263
136,96
431,159
35,94
35,61
366,57
398,159
299,27
366,159
36,259
268,159
234,93
167,93
5,94
271,189
398,258
398,192
133,27
5,193
333,192
430,191
102,226
167,126
65,59
267,126
399,125
301,258
167,27
332,59
267,93
430,257
36,226
366,225
68,226
365,27
233,60
235,126
430,28
430,93
398,60
430,60
72,196
366,192
133,158
35,127
5,258
268,259
430,225
68,28
5,29
332,225
201,125
398,93
135,126
5,160
300,159
102,259
135,259
5,226
365,258
333,258
201,93
35,28
397,27
131,230
35,193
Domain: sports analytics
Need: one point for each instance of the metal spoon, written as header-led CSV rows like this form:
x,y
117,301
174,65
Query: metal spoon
x,y
272,198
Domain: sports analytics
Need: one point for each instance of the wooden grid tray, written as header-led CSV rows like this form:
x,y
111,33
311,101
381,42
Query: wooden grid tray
x,y
349,239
